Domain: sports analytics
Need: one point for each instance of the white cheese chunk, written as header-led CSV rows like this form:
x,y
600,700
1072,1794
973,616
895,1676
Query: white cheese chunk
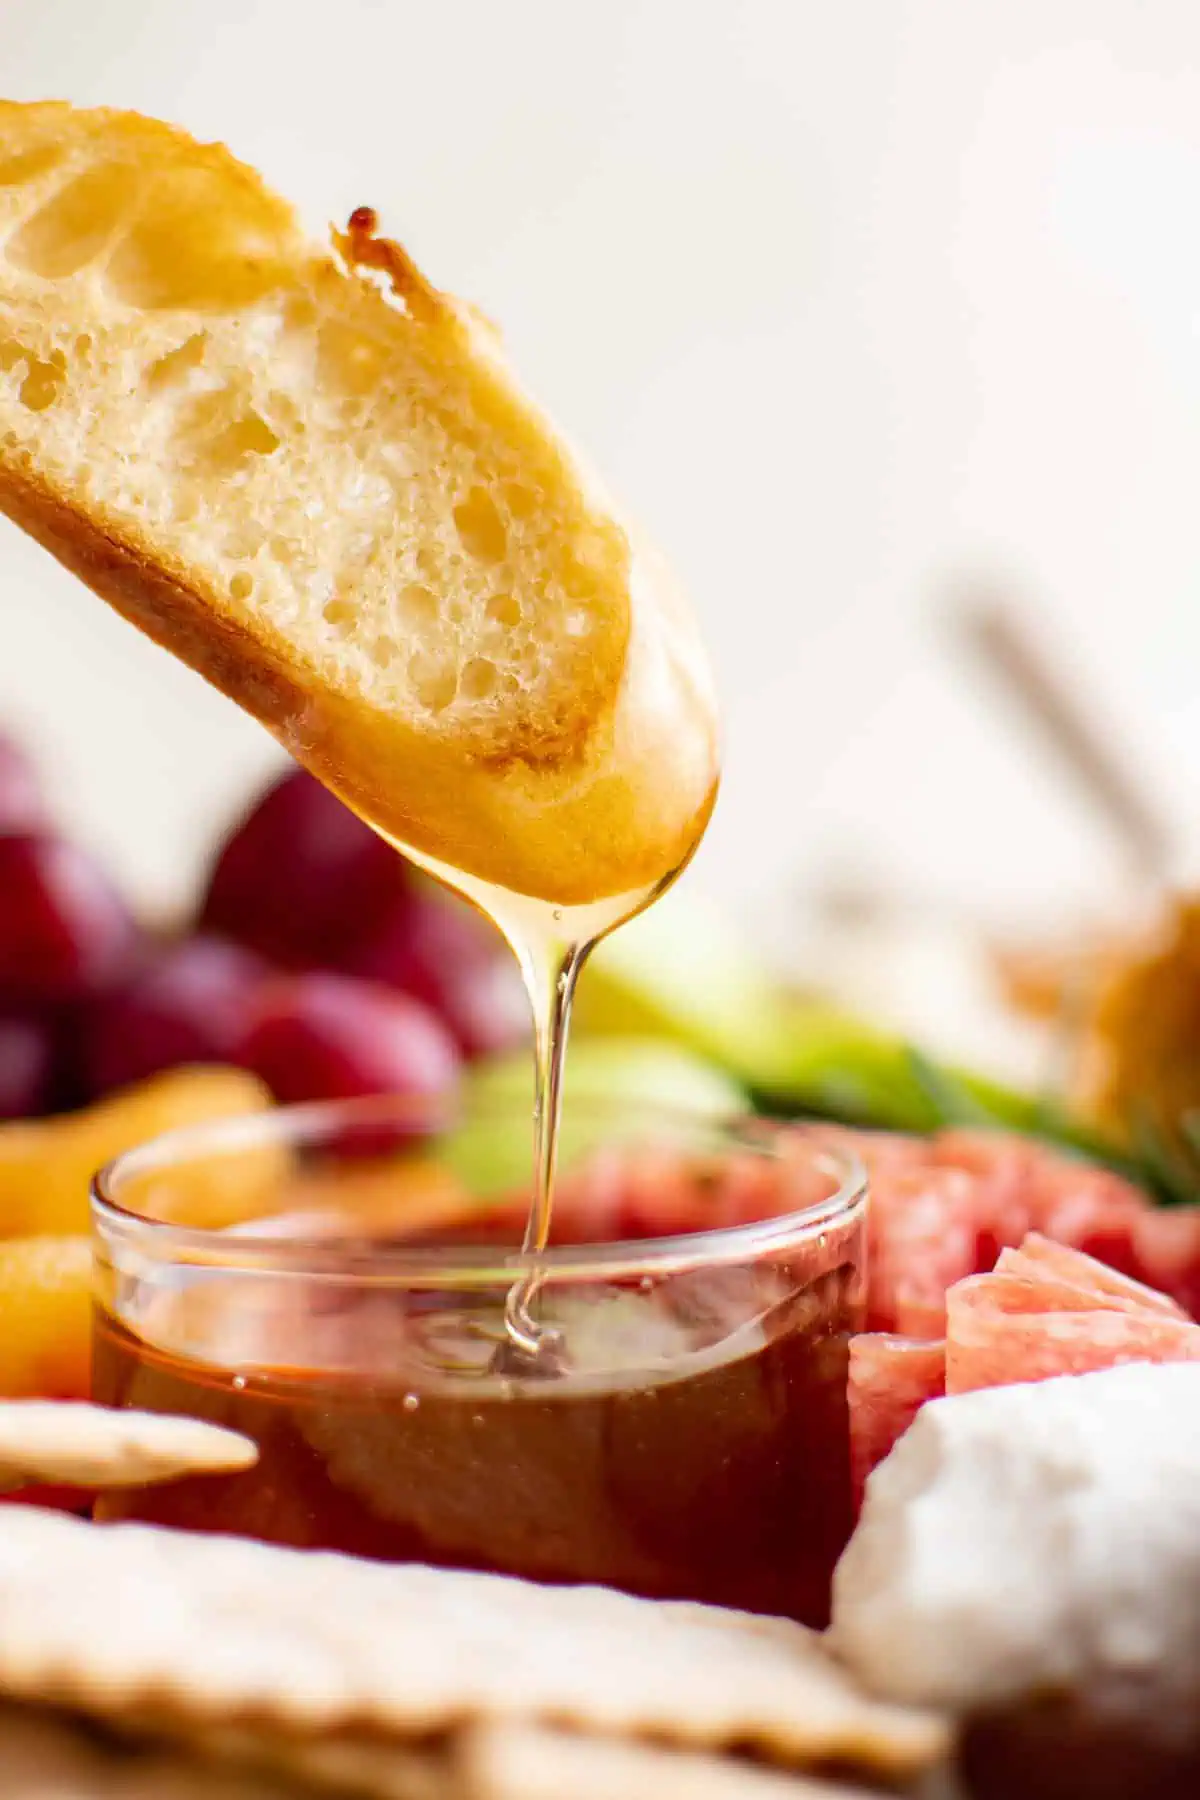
x,y
1034,1537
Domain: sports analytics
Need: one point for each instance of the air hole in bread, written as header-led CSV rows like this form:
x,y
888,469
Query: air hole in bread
x,y
41,387
521,501
479,679
338,613
434,682
250,436
76,224
243,540
168,370
480,526
83,344
242,586
503,609
416,606
43,377
219,442
384,651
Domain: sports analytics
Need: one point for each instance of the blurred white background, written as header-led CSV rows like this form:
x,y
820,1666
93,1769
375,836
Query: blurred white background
x,y
843,297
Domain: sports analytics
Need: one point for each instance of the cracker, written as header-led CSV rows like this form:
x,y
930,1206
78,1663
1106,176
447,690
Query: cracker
x,y
75,1445
355,1767
121,1619
515,1762
528,1762
45,1756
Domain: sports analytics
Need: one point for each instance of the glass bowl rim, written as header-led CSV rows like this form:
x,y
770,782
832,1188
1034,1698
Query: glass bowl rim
x,y
234,1251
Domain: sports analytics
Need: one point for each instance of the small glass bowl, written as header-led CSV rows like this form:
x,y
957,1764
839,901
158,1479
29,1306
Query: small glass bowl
x,y
331,1280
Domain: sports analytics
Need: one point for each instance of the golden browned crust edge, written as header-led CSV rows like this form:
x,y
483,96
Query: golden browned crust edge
x,y
158,602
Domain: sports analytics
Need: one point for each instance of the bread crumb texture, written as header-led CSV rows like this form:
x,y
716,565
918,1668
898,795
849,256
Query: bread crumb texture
x,y
420,537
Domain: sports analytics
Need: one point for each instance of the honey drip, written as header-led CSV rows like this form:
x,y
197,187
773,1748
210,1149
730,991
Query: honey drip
x,y
551,945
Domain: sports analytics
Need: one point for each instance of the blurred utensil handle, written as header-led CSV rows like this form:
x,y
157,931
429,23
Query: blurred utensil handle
x,y
1054,706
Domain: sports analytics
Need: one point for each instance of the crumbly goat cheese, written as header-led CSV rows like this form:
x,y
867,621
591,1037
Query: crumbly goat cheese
x,y
1034,1538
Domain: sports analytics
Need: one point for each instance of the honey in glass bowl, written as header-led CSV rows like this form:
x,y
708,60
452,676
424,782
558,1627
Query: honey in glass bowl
x,y
683,1434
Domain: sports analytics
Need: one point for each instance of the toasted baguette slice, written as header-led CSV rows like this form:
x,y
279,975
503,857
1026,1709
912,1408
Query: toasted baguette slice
x,y
314,478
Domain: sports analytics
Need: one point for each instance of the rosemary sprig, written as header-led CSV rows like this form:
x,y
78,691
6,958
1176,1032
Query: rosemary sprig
x,y
839,1069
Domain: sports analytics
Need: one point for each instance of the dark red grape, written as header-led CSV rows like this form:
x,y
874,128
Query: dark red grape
x,y
191,1004
329,1037
442,952
300,875
65,931
22,805
27,1066
487,1012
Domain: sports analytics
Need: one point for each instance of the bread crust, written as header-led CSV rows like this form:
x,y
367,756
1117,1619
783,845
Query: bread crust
x,y
346,745
161,604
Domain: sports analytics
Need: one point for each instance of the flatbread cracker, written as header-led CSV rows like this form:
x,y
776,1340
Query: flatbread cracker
x,y
71,1444
516,1762
126,1619
354,1767
45,1756
524,1762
